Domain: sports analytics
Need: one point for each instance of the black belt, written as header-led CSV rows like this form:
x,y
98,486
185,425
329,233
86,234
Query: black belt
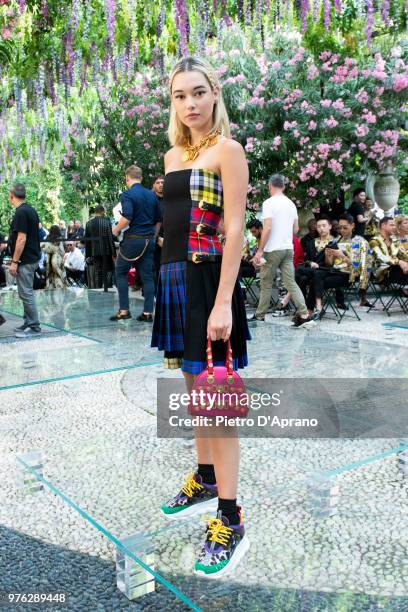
x,y
203,257
203,229
138,236
202,205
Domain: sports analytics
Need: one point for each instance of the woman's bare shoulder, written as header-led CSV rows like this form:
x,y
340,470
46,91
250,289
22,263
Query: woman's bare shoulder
x,y
171,155
229,145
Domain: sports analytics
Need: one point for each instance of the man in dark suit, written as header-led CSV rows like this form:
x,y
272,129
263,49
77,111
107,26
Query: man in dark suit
x,y
140,214
100,247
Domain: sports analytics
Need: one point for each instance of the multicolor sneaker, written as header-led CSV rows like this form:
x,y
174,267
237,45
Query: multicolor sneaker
x,y
194,498
224,548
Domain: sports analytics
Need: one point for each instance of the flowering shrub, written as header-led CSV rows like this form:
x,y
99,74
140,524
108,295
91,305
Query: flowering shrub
x,y
322,123
325,122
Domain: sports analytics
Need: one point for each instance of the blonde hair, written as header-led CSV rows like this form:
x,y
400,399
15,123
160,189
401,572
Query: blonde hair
x,y
179,133
134,172
399,220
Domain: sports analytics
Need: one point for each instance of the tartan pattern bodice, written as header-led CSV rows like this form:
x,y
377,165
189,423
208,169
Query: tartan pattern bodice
x,y
206,209
193,209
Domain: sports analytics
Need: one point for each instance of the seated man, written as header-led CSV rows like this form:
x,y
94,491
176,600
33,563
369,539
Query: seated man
x,y
74,262
247,269
351,260
311,234
390,259
314,259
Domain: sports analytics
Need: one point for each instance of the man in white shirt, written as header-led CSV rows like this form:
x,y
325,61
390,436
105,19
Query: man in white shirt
x,y
74,262
280,222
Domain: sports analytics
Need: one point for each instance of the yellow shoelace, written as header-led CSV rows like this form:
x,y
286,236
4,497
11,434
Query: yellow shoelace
x,y
191,486
219,533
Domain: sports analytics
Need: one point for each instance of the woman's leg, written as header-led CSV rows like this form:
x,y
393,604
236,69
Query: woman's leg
x,y
222,452
225,453
203,443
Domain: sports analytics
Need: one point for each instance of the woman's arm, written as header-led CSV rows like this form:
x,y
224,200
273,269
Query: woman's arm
x,y
234,174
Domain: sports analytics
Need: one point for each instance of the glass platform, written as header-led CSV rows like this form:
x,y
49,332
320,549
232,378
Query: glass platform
x,y
83,341
106,474
403,324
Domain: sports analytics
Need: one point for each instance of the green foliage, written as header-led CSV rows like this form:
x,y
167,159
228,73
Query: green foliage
x,y
43,192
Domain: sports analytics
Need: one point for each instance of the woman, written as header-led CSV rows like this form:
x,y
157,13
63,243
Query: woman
x,y
198,296
371,228
71,231
402,230
63,229
56,277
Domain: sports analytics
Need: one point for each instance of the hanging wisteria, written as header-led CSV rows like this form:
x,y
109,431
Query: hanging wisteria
x,y
148,27
97,43
370,21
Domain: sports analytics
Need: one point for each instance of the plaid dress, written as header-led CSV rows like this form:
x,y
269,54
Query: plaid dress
x,y
190,273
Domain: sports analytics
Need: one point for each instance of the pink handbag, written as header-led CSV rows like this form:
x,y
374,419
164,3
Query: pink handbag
x,y
221,383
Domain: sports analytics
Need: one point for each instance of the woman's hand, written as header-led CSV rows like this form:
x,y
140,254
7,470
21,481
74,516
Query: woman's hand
x,y
220,322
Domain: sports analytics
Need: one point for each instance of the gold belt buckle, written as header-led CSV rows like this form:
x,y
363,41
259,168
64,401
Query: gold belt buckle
x,y
195,257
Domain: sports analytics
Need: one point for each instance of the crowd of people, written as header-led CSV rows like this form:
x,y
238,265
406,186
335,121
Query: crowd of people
x,y
341,247
361,243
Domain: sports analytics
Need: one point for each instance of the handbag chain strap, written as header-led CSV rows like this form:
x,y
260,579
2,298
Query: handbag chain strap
x,y
228,363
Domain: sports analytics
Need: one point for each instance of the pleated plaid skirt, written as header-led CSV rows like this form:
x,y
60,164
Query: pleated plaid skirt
x,y
185,297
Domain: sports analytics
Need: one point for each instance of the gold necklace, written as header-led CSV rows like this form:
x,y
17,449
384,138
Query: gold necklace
x,y
191,151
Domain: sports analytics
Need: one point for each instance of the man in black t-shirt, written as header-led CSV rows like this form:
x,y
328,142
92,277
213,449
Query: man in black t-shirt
x,y
357,211
3,247
25,255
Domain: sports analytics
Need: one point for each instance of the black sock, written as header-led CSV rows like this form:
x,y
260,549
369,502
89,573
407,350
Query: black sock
x,y
207,473
229,509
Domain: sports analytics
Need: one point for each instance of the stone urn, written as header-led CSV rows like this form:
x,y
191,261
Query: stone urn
x,y
369,185
386,189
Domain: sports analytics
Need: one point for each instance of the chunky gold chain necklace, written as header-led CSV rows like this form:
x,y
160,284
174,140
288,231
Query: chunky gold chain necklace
x,y
191,151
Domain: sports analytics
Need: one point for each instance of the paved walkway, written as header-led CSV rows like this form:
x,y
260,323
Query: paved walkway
x,y
86,397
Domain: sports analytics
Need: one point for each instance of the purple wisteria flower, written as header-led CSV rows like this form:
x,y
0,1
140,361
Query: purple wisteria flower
x,y
385,12
182,27
316,6
370,21
75,14
326,10
304,9
110,9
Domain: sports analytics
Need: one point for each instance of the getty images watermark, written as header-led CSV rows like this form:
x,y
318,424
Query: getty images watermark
x,y
286,408
207,403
